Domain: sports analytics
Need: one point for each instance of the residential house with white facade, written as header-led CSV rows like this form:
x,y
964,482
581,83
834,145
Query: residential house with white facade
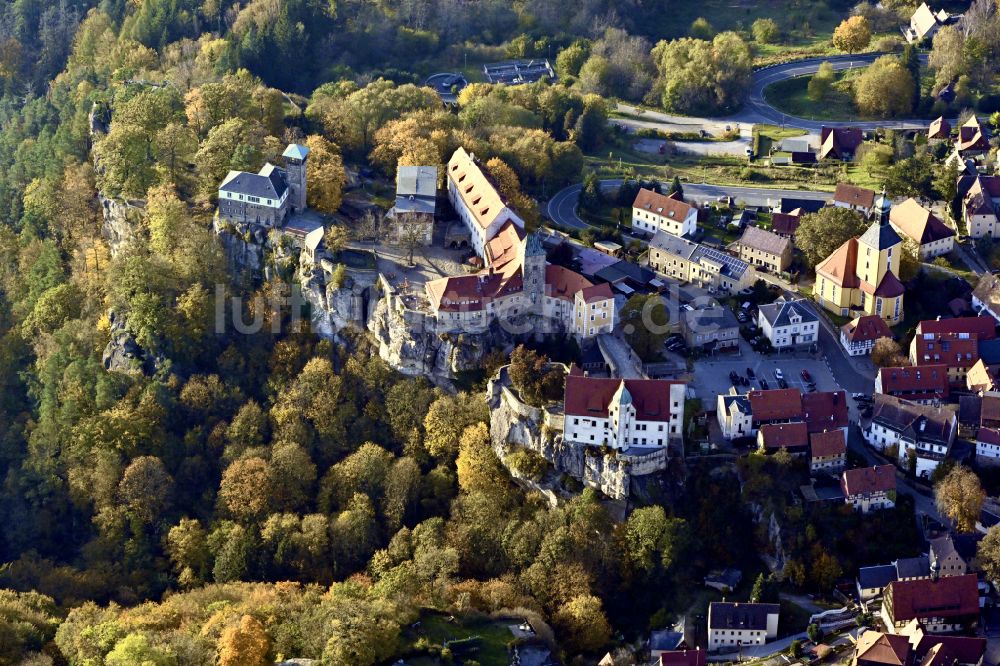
x,y
855,198
789,323
869,488
686,261
652,212
951,342
828,452
928,432
623,413
927,384
980,197
734,415
932,236
731,625
477,201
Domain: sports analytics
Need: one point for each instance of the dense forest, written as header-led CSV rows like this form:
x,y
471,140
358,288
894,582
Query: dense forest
x,y
264,495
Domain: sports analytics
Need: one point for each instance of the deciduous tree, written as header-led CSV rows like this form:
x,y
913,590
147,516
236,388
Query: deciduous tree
x,y
822,232
244,644
852,35
959,497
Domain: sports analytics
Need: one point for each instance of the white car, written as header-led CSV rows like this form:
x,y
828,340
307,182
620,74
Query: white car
x,y
778,374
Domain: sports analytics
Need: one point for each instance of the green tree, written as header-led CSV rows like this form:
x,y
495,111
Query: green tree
x,y
571,59
582,624
821,82
946,182
757,593
885,89
988,553
245,490
653,541
136,649
646,323
676,189
187,545
822,232
699,76
701,29
765,30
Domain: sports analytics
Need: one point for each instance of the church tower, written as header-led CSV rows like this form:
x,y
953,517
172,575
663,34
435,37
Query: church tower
x,y
534,270
295,170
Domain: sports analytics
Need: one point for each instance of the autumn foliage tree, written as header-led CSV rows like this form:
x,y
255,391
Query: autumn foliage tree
x,y
244,644
325,173
959,497
853,34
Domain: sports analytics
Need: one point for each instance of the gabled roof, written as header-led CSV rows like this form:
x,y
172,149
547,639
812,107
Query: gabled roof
x,y
923,21
475,189
866,328
877,576
671,244
503,250
591,396
948,597
880,236
683,658
828,443
913,420
297,151
596,293
913,567
660,204
868,480
874,647
785,224
888,287
775,404
765,241
784,435
972,136
989,413
925,382
987,292
939,129
915,221
825,410
841,266
860,197
838,142
563,283
780,312
982,327
268,183
948,649
744,616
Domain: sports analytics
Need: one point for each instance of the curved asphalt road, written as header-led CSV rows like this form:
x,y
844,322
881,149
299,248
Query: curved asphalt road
x,y
757,109
561,208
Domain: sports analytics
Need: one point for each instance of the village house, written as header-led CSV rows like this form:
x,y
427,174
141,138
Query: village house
x,y
854,198
924,24
622,414
986,296
860,277
877,649
859,335
869,488
973,138
731,625
945,558
785,224
416,204
734,415
927,384
939,130
951,342
686,261
516,280
793,437
871,581
788,323
982,377
913,221
694,657
927,432
941,605
828,452
268,197
825,410
652,212
988,434
980,197
840,143
764,249
914,646
712,328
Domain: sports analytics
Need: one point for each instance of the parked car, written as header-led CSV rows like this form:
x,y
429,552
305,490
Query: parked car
x,y
751,374
806,376
778,374
782,383
763,384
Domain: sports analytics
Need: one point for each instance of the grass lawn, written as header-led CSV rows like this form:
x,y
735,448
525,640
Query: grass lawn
x,y
790,96
489,650
768,135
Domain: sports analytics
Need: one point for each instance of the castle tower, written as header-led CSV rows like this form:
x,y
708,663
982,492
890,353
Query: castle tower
x,y
534,268
295,169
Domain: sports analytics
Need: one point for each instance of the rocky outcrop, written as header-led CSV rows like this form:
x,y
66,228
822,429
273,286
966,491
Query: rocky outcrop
x,y
124,354
121,221
243,245
514,424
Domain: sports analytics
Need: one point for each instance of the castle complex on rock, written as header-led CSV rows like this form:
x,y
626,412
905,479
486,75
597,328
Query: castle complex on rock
x,y
516,280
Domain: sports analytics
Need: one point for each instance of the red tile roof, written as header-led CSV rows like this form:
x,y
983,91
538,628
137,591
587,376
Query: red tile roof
x,y
591,396
889,287
785,224
825,410
775,404
948,349
597,292
563,283
982,327
853,195
875,647
683,658
841,267
868,480
784,435
939,129
826,444
988,436
471,293
866,329
928,381
660,204
947,597
838,141
949,649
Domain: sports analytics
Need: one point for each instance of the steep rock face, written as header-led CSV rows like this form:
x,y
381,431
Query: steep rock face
x,y
122,219
123,353
514,424
244,247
